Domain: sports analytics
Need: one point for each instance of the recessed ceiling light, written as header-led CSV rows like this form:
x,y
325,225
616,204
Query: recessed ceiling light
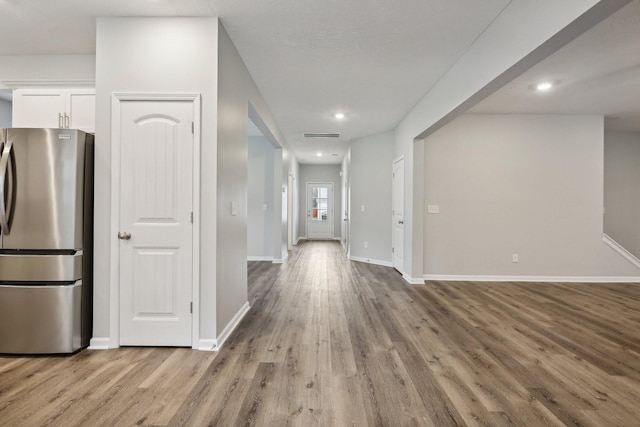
x,y
319,154
339,116
544,86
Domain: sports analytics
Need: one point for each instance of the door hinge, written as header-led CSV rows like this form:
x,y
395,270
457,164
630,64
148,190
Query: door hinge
x,y
193,127
191,307
191,217
393,250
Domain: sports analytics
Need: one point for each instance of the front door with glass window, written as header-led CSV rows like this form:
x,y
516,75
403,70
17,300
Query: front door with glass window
x,y
319,210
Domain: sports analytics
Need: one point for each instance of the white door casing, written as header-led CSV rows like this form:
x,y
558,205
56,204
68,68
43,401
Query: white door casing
x,y
319,210
156,188
290,212
397,214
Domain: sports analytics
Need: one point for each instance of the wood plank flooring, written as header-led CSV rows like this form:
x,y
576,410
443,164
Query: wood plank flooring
x,y
329,342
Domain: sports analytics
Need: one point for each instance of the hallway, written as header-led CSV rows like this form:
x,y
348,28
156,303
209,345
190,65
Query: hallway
x,y
338,343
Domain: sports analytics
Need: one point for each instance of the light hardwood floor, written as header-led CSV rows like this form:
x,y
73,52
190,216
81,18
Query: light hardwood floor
x,y
337,343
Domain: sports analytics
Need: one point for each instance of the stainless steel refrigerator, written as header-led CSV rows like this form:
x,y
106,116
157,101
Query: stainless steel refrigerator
x,y
46,240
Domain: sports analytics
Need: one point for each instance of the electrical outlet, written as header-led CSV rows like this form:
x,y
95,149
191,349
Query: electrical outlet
x,y
366,245
514,258
362,208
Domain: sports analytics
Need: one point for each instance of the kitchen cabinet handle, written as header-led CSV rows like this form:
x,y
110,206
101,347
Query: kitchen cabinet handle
x,y
60,123
66,121
4,164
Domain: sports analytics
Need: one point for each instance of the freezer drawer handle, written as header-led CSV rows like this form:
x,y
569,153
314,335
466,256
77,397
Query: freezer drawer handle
x,y
4,165
124,236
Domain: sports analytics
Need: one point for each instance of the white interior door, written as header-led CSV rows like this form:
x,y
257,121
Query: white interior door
x,y
156,230
398,215
319,210
290,212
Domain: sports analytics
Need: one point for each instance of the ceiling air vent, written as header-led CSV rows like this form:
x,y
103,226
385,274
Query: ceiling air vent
x,y
321,135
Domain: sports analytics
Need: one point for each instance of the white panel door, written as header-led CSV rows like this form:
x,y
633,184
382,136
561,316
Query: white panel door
x,y
398,215
156,202
319,210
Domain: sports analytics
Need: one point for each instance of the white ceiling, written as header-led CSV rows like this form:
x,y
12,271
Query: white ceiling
x,y
371,59
597,73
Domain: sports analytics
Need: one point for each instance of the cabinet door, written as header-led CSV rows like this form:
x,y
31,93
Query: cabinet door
x,y
34,108
81,110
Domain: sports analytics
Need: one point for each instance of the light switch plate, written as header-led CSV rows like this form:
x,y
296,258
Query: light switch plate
x,y
433,209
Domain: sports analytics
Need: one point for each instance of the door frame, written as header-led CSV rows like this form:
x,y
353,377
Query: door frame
x,y
114,293
333,203
393,196
290,181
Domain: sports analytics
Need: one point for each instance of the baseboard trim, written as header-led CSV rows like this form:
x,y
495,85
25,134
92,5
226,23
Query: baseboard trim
x,y
99,343
259,258
412,280
563,279
219,342
281,260
206,345
371,261
621,250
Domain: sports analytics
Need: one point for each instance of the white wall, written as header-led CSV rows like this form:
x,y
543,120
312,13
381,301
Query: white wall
x,y
239,99
525,33
155,55
370,183
320,173
622,189
186,55
5,114
526,185
260,227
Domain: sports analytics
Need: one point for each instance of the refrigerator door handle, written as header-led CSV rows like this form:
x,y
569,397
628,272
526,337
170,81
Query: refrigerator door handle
x,y
4,166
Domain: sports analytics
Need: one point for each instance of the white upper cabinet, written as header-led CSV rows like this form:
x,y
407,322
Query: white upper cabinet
x,y
54,108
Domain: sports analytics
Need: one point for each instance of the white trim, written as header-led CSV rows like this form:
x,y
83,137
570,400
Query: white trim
x,y
114,295
621,250
563,279
371,261
231,326
206,345
48,83
259,258
281,260
403,207
412,280
99,343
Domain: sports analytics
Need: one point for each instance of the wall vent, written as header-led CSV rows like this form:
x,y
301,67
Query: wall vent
x,y
321,135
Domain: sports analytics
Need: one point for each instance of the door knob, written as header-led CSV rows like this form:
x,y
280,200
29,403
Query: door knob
x,y
124,236
400,222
